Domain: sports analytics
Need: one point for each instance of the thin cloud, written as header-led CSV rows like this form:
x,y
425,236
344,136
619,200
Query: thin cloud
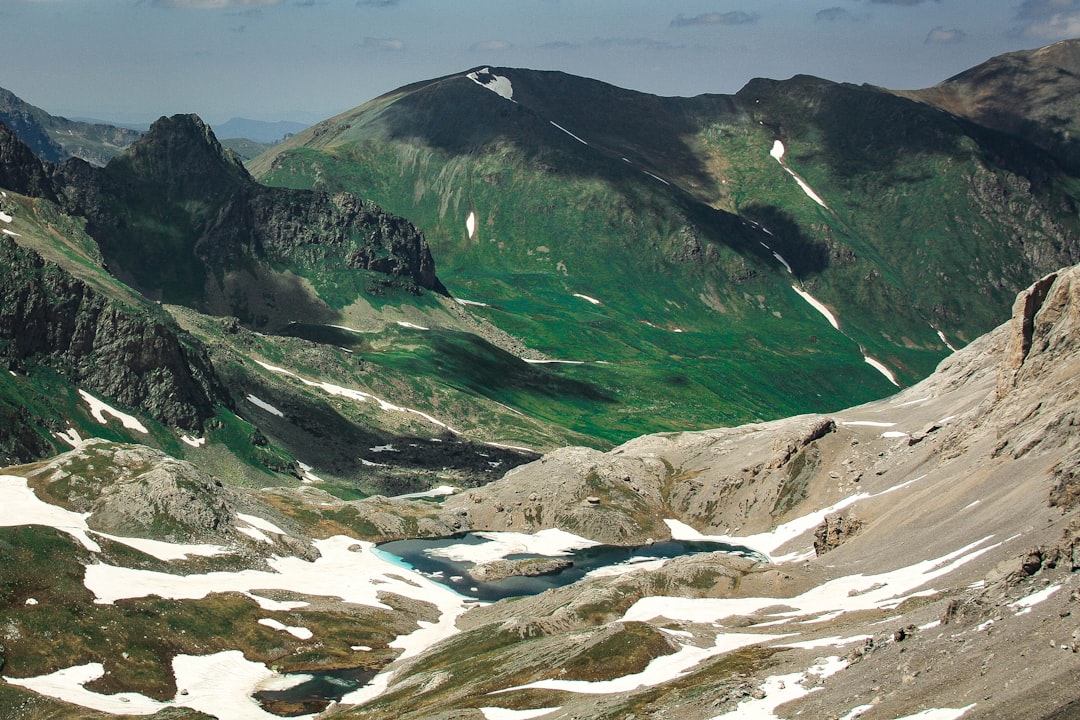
x,y
832,14
215,4
377,3
1048,19
611,42
391,44
945,36
735,17
491,46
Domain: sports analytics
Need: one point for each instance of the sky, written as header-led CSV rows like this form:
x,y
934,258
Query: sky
x,y
306,60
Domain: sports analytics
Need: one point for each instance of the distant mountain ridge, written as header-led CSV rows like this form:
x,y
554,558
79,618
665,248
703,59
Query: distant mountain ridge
x,y
258,130
55,138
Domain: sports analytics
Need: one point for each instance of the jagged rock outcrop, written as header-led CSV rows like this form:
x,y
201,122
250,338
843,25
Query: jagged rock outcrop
x,y
133,356
135,491
834,531
180,217
20,170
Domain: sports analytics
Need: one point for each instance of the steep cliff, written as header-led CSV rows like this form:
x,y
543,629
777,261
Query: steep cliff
x,y
180,218
133,355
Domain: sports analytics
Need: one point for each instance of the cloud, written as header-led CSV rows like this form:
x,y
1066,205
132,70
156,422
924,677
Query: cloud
x,y
611,42
945,36
491,46
215,4
833,13
373,43
735,17
1048,19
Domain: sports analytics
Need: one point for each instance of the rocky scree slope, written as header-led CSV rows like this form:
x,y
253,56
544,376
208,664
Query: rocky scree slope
x,y
949,582
943,573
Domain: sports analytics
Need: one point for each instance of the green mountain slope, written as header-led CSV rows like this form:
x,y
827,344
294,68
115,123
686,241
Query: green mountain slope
x,y
663,237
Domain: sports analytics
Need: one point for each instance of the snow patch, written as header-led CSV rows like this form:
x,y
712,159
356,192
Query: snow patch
x,y
99,409
777,153
356,395
841,595
461,301
1026,603
551,543
497,713
193,441
656,177
264,405
867,423
939,714
780,689
893,434
258,522
4,217
659,670
814,303
70,436
412,326
470,224
498,84
11,233
258,535
588,299
783,262
943,339
300,633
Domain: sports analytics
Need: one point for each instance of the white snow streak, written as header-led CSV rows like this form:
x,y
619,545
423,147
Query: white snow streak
x,y
880,367
300,633
193,441
660,670
777,153
4,217
264,405
814,303
470,224
560,127
780,689
586,298
1026,603
411,326
99,409
497,713
356,395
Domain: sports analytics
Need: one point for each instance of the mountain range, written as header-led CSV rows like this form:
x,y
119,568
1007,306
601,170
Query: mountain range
x,y
514,394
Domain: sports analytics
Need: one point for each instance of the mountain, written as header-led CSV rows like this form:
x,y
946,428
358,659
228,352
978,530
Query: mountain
x,y
84,349
692,243
1030,93
912,557
258,130
55,138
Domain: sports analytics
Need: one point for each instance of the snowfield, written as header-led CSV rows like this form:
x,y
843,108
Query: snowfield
x,y
100,409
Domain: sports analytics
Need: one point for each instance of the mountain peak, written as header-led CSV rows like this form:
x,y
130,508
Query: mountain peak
x,y
182,153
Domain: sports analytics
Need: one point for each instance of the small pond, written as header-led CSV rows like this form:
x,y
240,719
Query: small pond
x,y
417,555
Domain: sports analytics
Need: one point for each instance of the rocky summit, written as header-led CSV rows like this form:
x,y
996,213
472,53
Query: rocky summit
x,y
263,462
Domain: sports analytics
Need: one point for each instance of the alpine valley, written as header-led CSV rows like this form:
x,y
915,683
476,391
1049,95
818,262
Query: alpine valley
x,y
512,394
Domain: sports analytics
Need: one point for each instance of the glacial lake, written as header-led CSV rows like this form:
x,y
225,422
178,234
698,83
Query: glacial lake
x,y
416,555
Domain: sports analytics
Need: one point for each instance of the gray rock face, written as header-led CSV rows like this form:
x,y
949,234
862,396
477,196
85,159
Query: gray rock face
x,y
135,357
136,491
